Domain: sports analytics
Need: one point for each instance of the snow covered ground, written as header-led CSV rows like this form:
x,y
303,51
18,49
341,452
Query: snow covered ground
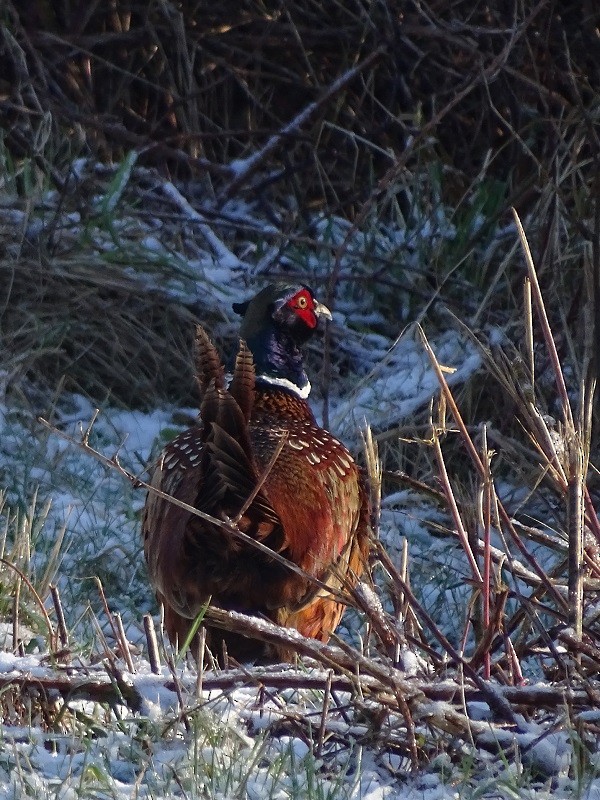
x,y
246,741
242,742
233,748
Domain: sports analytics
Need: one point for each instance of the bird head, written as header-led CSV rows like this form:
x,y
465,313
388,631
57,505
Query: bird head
x,y
276,322
292,308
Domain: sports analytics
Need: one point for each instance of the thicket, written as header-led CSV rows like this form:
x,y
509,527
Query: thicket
x,y
381,114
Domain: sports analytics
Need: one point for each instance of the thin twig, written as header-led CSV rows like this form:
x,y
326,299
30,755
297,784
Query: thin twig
x,y
487,559
226,527
261,481
152,644
63,633
107,611
123,642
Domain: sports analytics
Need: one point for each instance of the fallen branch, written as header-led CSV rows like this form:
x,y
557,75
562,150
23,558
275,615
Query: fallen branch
x,y
100,688
111,690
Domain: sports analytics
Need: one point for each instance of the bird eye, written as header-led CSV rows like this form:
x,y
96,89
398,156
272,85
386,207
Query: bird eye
x,y
302,302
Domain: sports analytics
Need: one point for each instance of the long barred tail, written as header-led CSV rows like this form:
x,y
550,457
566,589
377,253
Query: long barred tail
x,y
209,369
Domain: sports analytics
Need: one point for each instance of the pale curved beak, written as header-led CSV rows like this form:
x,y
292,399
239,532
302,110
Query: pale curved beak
x,y
322,311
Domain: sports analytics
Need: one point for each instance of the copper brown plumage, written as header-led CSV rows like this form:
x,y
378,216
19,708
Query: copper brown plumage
x,y
256,457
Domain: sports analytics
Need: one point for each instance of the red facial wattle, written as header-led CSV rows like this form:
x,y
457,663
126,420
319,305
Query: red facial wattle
x,y
303,305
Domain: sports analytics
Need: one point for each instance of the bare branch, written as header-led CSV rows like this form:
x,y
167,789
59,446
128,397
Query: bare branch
x,y
228,528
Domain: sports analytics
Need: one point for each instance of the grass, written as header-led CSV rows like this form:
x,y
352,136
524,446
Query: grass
x,y
487,475
435,605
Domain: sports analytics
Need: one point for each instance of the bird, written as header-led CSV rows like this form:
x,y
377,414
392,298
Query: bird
x,y
255,458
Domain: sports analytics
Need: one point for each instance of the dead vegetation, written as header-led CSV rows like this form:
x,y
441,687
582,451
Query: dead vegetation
x,y
381,112
529,599
194,86
104,334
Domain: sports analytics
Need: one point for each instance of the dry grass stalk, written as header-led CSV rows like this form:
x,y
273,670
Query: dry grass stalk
x,y
21,578
152,644
123,642
197,86
63,633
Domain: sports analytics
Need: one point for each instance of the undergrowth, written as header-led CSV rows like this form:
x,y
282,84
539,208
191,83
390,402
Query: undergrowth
x,y
473,578
471,358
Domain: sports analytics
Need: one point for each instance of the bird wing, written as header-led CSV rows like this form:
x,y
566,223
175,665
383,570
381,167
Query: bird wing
x,y
210,467
317,492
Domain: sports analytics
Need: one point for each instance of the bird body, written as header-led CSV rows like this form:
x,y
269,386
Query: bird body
x,y
258,460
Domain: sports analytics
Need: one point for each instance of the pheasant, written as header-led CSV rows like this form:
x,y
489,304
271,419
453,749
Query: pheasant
x,y
257,458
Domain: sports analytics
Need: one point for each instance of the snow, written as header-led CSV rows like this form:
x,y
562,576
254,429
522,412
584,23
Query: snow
x,y
403,381
243,742
232,743
226,259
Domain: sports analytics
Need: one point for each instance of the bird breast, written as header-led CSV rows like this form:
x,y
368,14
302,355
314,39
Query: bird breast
x,y
312,485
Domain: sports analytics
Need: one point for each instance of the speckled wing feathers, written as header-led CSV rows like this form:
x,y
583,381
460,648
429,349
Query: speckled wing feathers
x,y
308,504
316,491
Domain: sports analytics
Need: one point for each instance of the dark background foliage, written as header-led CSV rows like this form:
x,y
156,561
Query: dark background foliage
x,y
198,84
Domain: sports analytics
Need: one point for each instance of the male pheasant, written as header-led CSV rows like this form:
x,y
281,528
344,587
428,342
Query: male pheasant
x,y
257,457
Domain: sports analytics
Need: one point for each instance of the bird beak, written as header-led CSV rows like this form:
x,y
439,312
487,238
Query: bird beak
x,y
322,311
